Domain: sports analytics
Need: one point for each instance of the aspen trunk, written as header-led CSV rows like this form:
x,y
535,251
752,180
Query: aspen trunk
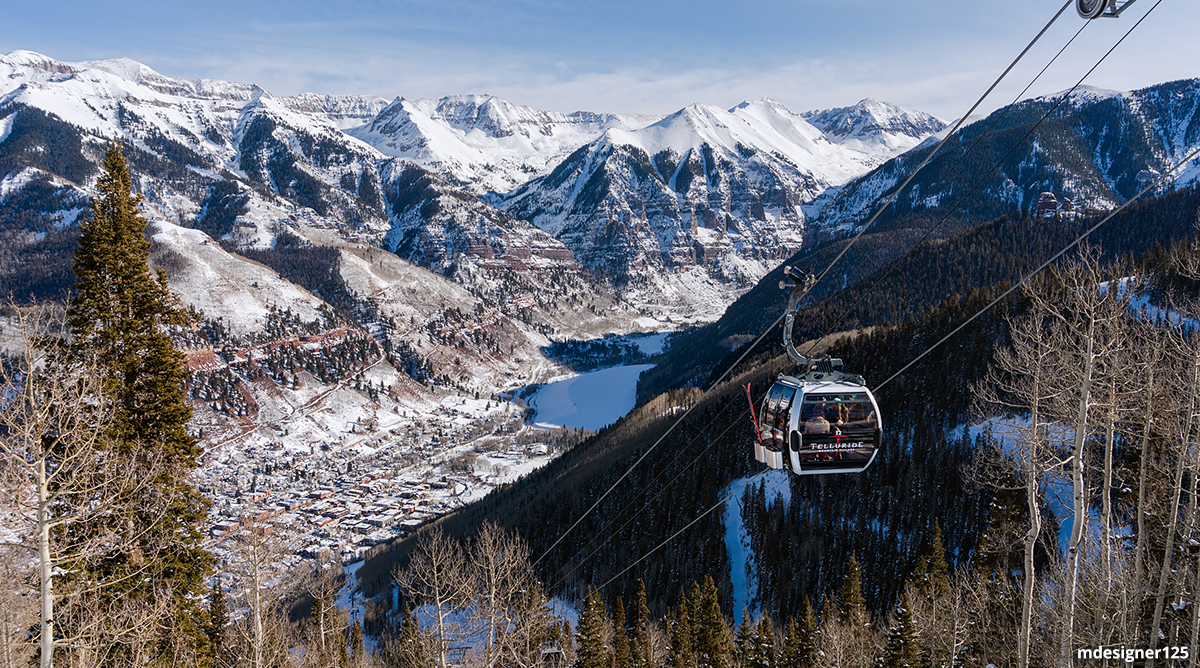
x,y
1080,518
1032,499
1169,547
1139,557
44,566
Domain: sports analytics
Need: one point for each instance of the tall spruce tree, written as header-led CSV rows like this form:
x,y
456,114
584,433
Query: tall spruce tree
x,y
682,654
621,651
901,650
760,648
809,635
591,652
120,314
852,608
218,620
640,654
713,649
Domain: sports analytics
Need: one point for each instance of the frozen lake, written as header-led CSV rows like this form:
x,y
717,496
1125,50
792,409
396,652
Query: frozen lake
x,y
590,400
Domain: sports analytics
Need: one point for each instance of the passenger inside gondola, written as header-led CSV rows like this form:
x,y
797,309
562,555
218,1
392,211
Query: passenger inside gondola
x,y
815,421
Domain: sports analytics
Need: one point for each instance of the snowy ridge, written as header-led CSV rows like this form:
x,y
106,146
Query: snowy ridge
x,y
686,213
1098,148
879,128
484,143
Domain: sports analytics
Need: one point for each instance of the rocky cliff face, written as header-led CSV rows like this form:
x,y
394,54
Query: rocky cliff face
x,y
688,212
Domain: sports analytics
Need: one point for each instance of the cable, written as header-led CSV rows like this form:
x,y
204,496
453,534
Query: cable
x,y
896,263
950,134
633,501
646,505
957,125
978,140
698,518
1045,264
1015,146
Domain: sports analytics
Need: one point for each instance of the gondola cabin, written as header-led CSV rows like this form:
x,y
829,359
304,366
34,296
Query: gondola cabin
x,y
813,427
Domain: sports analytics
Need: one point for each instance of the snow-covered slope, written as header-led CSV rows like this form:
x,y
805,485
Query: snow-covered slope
x,y
483,143
1097,149
687,212
873,127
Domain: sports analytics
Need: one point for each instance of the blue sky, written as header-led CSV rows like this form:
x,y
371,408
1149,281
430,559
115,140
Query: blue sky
x,y
642,56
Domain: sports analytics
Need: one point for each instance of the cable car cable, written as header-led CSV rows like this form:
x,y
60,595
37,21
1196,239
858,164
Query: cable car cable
x,y
1195,153
929,157
685,528
894,264
945,139
662,488
897,191
646,505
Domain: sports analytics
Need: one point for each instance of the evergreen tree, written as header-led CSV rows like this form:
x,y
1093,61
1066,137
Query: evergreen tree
x,y
408,649
809,632
621,651
901,650
682,653
120,314
640,656
711,636
741,644
591,651
760,647
357,646
852,609
218,620
800,640
936,570
790,655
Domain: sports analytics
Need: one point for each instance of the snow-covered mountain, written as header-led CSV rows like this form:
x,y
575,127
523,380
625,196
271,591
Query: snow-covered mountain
x,y
1097,149
482,143
871,126
687,212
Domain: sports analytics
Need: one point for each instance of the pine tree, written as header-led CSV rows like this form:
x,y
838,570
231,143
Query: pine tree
x,y
901,650
809,632
791,652
800,640
760,648
640,655
218,620
591,651
852,609
408,649
682,653
741,643
119,314
711,636
357,646
621,651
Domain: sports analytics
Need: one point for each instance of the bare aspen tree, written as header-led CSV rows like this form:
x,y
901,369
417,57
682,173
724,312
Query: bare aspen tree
x,y
262,577
1186,395
435,578
327,623
1087,316
1016,385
